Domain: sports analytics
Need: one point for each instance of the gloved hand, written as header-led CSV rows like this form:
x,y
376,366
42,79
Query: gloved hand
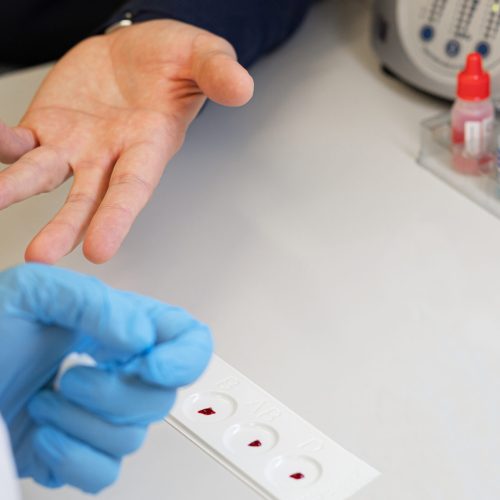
x,y
145,350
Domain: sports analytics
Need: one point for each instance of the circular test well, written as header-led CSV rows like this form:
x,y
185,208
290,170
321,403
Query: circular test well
x,y
250,439
209,407
293,471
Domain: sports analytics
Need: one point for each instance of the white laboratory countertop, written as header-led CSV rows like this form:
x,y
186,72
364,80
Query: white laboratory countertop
x,y
335,272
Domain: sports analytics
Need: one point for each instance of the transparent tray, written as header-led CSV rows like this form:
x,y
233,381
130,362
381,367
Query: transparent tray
x,y
435,155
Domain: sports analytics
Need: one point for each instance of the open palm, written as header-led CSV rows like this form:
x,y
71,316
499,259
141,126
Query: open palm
x,y
112,113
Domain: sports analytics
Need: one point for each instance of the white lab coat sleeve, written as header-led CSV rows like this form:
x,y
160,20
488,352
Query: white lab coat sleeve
x,y
9,486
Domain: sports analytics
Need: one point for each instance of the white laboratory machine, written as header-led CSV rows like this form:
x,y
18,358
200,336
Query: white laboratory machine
x,y
425,42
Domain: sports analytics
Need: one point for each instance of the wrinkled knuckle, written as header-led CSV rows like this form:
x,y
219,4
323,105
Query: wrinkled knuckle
x,y
135,181
81,199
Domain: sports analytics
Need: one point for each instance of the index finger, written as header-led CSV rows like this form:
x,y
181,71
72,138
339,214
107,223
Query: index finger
x,y
54,296
135,176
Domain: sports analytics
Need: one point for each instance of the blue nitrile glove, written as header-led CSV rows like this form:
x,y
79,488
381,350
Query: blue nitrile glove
x,y
145,350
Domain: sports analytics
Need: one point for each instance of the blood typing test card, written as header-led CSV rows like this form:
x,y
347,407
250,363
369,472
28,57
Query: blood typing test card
x,y
257,438
262,442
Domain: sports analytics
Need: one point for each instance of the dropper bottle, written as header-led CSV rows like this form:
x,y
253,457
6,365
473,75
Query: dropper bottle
x,y
472,120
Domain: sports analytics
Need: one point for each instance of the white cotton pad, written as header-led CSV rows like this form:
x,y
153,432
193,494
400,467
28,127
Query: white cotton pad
x,y
71,360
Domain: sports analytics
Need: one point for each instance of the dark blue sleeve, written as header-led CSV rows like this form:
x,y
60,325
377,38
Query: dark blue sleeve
x,y
253,27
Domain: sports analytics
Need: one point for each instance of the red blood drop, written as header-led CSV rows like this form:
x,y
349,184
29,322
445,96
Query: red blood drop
x,y
297,475
207,411
255,443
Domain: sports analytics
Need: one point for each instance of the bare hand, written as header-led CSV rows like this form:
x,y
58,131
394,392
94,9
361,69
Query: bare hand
x,y
112,113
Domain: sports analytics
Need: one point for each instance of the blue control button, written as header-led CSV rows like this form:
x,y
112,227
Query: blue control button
x,y
427,33
453,48
483,48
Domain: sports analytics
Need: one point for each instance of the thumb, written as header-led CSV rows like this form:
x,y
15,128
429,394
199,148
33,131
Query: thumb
x,y
217,72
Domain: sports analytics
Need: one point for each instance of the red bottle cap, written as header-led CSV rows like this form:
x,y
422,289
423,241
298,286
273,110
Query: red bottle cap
x,y
473,81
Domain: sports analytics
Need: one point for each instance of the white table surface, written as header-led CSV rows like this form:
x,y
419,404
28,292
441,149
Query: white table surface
x,y
335,272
